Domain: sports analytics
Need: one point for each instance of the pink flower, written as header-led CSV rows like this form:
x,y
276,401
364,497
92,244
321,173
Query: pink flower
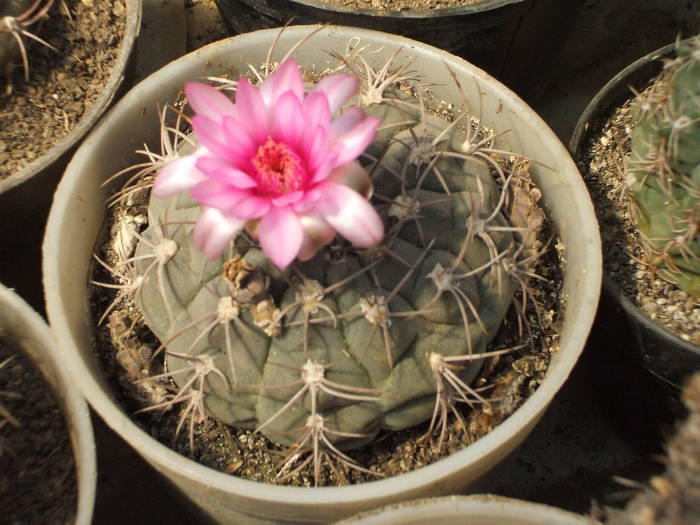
x,y
276,163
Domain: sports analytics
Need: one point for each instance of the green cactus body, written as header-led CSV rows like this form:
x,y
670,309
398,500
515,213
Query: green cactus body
x,y
332,350
664,169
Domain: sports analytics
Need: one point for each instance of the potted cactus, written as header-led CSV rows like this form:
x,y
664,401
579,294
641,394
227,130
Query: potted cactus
x,y
649,157
59,70
268,320
42,418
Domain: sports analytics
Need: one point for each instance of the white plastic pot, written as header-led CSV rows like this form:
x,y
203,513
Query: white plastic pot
x,y
78,212
25,330
468,510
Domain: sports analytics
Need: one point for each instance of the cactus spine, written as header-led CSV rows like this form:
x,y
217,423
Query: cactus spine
x,y
664,169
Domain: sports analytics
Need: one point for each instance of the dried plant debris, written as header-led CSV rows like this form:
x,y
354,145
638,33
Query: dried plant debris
x,y
37,467
672,498
360,362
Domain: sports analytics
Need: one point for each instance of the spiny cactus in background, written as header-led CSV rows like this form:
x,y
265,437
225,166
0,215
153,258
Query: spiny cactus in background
x,y
664,168
15,17
673,497
323,354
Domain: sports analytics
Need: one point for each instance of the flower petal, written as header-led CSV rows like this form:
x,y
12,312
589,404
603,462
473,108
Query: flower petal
x,y
315,148
208,101
288,198
213,231
251,110
354,176
353,143
217,195
281,235
288,120
324,169
287,78
221,171
351,214
211,136
317,112
178,175
345,122
242,146
317,233
251,207
339,88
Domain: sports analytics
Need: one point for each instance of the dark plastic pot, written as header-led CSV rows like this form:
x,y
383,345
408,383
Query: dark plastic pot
x,y
642,362
514,40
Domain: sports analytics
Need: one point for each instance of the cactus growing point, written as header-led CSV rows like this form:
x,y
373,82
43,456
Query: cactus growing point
x,y
664,169
321,354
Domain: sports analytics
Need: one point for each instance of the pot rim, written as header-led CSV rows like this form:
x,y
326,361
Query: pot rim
x,y
93,114
467,9
426,477
466,507
613,93
22,325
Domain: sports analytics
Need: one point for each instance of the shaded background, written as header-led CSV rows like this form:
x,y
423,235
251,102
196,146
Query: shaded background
x,y
585,438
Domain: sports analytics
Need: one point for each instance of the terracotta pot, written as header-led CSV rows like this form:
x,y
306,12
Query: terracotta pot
x,y
79,211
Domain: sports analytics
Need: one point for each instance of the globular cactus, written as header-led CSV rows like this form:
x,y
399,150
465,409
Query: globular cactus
x,y
15,17
664,169
324,354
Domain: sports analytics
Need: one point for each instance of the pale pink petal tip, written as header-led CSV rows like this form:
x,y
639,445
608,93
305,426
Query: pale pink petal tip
x,y
208,101
281,236
214,231
353,143
287,77
351,214
339,88
178,175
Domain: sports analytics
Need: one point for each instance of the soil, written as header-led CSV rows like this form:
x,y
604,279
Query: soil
x,y
204,24
37,467
624,259
63,83
399,5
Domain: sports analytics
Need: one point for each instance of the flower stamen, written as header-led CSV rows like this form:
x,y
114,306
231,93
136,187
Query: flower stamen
x,y
279,169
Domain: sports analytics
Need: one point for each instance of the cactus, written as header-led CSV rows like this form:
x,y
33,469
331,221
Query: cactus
x,y
664,169
324,354
674,496
15,17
